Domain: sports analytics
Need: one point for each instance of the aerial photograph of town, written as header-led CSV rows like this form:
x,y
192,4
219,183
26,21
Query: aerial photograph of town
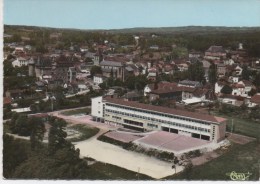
x,y
139,90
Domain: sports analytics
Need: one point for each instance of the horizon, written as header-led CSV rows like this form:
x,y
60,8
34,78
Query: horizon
x,y
113,14
129,28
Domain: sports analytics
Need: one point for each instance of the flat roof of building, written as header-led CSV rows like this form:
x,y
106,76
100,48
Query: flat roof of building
x,y
166,110
171,142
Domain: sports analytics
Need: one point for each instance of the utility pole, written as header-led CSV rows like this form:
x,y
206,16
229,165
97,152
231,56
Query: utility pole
x,y
138,173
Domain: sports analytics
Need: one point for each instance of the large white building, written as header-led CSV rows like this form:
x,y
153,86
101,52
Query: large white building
x,y
144,117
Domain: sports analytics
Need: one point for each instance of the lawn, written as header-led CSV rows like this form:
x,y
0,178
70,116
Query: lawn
x,y
242,126
240,158
86,132
112,172
76,111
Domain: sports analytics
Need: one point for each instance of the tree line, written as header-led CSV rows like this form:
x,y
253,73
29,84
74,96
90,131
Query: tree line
x,y
58,159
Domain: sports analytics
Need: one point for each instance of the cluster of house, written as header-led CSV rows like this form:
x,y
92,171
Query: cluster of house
x,y
71,69
187,92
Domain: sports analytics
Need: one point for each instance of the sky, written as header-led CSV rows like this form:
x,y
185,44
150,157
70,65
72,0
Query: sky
x,y
115,14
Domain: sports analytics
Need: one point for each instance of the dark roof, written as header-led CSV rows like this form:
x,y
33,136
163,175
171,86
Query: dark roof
x,y
111,63
216,49
166,110
107,70
131,94
167,87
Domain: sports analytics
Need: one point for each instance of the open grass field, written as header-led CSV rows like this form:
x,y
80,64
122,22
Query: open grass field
x,y
242,126
240,158
85,131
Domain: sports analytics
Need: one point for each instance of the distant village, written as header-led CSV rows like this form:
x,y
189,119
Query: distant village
x,y
115,70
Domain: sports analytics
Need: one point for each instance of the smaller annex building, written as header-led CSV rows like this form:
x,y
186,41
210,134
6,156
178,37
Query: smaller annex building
x,y
145,117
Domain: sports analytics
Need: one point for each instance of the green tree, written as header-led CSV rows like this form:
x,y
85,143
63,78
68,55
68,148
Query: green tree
x,y
257,79
8,68
37,132
11,124
212,74
226,89
95,70
22,125
179,52
57,135
196,72
14,153
245,73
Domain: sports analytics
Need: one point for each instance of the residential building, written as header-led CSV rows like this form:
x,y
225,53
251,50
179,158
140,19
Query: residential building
x,y
20,61
14,93
165,91
145,117
221,69
98,79
215,52
132,96
61,68
42,66
113,69
231,99
195,54
188,83
148,88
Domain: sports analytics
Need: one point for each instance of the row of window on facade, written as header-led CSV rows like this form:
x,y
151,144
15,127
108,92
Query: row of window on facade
x,y
158,114
160,121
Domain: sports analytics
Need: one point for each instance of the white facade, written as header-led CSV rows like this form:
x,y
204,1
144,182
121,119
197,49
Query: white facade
x,y
238,70
20,62
143,117
238,91
218,87
97,107
247,88
234,79
147,90
82,87
98,80
229,62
